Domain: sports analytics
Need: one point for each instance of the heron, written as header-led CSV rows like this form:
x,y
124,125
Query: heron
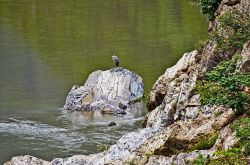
x,y
116,60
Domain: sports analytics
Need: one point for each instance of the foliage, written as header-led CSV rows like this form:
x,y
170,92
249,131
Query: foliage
x,y
222,86
200,160
208,7
235,155
242,127
231,157
236,24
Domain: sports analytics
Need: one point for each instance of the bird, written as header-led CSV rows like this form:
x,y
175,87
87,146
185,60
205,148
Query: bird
x,y
116,60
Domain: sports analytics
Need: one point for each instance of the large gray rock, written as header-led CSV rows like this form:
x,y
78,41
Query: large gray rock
x,y
175,86
110,91
25,160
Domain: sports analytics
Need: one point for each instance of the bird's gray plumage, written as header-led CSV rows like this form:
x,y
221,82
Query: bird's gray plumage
x,y
116,60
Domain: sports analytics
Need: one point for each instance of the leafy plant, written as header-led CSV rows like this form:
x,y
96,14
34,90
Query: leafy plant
x,y
242,127
236,24
208,7
200,160
222,86
230,157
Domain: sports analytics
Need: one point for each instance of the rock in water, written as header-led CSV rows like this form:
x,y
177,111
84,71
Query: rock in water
x,y
106,91
111,124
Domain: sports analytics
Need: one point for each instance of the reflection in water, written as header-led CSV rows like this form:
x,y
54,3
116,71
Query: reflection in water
x,y
48,46
134,113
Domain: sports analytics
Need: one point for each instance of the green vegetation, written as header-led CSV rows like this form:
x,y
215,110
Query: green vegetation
x,y
200,160
103,147
235,155
230,157
205,143
208,7
149,154
236,24
222,86
242,127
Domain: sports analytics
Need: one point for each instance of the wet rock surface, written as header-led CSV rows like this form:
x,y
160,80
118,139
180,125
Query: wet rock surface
x,y
111,91
110,124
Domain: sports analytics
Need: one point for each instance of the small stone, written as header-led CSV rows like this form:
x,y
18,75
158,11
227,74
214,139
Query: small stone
x,y
108,111
121,111
246,90
122,106
111,124
245,67
178,89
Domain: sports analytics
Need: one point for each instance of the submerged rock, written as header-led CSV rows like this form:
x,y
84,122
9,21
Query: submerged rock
x,y
111,91
110,124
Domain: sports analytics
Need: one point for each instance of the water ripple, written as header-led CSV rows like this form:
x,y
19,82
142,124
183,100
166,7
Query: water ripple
x,y
32,130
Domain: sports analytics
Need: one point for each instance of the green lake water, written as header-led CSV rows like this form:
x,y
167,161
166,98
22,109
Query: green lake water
x,y
47,46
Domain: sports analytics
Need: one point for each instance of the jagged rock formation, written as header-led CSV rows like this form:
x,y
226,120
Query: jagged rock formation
x,y
175,85
177,128
110,91
172,96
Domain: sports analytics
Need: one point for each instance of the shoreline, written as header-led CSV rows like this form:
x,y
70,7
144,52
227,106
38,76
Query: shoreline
x,y
177,128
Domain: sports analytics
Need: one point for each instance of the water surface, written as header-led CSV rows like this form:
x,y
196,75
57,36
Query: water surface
x,y
48,46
